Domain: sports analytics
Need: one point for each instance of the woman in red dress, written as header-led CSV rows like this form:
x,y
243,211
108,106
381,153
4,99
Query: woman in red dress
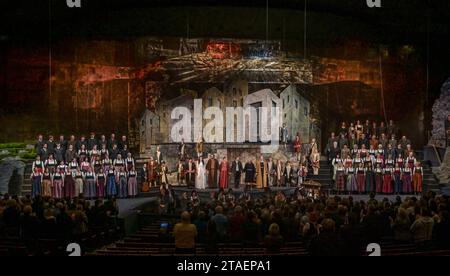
x,y
387,181
298,147
361,178
223,174
418,178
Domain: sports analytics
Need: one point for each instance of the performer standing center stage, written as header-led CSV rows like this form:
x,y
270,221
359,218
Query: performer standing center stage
x,y
223,176
261,173
200,179
212,168
236,171
190,173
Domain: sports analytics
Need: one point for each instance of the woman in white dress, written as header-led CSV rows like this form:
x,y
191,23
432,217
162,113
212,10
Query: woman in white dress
x,y
200,179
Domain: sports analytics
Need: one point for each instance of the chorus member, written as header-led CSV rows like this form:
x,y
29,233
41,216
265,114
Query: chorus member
x,y
62,167
97,165
43,153
418,178
59,153
400,161
370,179
46,189
51,145
72,142
123,143
352,141
36,183
393,141
352,183
111,183
361,178
129,162
411,160
103,143
132,183
112,142
119,163
407,180
380,152
398,173
345,152
113,152
379,178
85,165
92,141
69,184
101,184
58,185
79,182
352,130
39,143
51,164
348,162
340,178
124,152
106,163
90,185
200,178
343,142
379,161
387,181
383,141
334,163
374,130
38,164
382,129
261,173
122,183
94,152
389,162
236,171
359,128
355,151
367,129
343,130
70,154
82,153
404,142
334,151
190,170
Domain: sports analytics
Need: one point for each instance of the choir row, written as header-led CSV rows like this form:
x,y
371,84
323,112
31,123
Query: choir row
x,y
92,185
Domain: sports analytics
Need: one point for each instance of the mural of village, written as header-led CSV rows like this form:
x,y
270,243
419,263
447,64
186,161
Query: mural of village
x,y
155,126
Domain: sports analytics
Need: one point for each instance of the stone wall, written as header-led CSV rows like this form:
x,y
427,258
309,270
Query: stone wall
x,y
444,171
11,176
441,109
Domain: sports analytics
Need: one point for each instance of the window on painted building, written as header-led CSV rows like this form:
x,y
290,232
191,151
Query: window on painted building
x,y
220,103
234,103
306,111
274,104
242,102
210,103
296,104
234,91
151,121
289,98
283,103
285,115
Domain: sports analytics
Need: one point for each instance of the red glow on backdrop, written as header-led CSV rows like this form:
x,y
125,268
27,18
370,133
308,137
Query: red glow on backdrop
x,y
223,50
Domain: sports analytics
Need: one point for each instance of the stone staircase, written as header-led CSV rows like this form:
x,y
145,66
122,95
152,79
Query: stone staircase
x,y
26,186
325,176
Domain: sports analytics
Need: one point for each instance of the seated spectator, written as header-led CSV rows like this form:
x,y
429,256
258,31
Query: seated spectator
x,y
273,241
422,228
221,222
326,243
442,229
185,234
237,221
401,226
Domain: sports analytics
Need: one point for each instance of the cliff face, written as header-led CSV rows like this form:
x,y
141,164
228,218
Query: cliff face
x,y
441,109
